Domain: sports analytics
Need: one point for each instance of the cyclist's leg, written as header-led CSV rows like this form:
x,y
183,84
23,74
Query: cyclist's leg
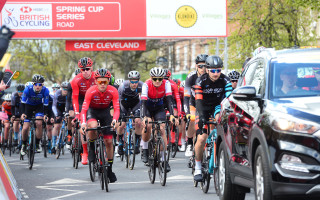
x,y
6,131
25,128
146,137
38,130
191,131
16,130
120,131
92,136
182,135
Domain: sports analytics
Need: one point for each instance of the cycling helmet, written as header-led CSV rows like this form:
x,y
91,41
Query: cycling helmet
x,y
37,78
85,62
77,71
28,83
201,58
168,73
56,85
157,72
20,87
134,75
118,82
182,84
64,84
7,97
234,75
102,73
162,62
177,81
214,62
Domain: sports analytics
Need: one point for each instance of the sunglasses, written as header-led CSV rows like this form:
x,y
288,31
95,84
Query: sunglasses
x,y
134,82
65,89
157,79
102,82
38,84
86,69
20,91
55,88
201,66
234,81
214,70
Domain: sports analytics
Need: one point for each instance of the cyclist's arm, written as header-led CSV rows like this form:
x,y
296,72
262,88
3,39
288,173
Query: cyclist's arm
x,y
69,95
54,104
46,102
144,98
24,99
187,94
169,97
227,88
85,107
75,97
115,102
177,97
199,97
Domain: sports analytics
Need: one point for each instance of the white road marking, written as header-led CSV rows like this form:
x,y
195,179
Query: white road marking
x,y
74,192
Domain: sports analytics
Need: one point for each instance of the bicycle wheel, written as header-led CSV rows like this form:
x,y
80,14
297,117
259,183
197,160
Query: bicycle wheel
x,y
10,147
100,165
126,148
44,142
162,162
31,151
74,149
104,166
169,145
92,166
175,144
132,144
205,184
152,161
3,148
59,146
78,150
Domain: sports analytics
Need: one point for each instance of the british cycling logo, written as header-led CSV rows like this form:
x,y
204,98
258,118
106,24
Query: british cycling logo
x,y
10,21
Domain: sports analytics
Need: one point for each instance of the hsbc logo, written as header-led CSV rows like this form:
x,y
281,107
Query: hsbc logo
x,y
26,9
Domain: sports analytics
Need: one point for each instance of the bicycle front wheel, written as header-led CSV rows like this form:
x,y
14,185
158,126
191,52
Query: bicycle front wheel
x,y
10,141
205,184
152,161
169,144
31,151
162,161
44,142
132,154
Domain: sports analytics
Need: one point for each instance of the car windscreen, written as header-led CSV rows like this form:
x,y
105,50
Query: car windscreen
x,y
294,80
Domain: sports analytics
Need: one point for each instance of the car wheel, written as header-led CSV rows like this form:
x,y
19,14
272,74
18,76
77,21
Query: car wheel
x,y
226,189
262,182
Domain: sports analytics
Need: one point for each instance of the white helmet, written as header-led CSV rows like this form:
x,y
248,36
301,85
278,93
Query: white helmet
x,y
28,83
119,81
7,97
157,72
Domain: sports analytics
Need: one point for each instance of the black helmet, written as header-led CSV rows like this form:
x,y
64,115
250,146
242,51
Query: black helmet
x,y
134,75
64,84
37,78
162,62
201,58
234,75
20,87
214,62
77,71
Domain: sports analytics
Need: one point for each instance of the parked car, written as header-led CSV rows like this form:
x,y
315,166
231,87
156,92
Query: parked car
x,y
269,128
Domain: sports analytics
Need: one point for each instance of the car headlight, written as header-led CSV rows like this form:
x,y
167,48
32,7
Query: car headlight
x,y
287,123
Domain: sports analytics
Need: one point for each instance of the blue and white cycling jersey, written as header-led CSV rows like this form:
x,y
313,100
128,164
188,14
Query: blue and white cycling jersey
x,y
31,98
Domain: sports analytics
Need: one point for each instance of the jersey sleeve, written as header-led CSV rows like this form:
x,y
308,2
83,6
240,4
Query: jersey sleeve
x,y
120,91
54,104
25,95
187,94
85,106
115,102
199,96
46,97
75,96
228,87
168,88
177,97
144,93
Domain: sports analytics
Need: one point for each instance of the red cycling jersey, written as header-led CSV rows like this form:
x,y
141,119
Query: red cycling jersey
x,y
100,100
176,97
79,86
6,108
154,95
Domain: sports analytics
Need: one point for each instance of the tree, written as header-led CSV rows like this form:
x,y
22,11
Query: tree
x,y
272,23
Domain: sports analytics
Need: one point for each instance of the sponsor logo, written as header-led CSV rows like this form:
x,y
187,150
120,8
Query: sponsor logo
x,y
186,16
26,9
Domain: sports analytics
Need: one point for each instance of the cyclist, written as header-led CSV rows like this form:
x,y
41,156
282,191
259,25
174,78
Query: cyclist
x,y
118,82
55,87
96,106
234,76
69,110
35,98
189,99
210,90
6,108
153,92
80,84
49,125
16,111
58,107
129,96
182,127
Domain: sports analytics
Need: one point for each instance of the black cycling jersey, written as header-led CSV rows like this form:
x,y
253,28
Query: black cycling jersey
x,y
189,92
209,94
69,99
16,104
129,98
59,101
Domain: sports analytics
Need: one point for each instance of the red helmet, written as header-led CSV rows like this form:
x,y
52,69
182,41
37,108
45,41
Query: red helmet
x,y
85,62
102,73
168,73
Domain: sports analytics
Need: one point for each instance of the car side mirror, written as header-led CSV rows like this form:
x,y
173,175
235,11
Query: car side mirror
x,y
245,93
